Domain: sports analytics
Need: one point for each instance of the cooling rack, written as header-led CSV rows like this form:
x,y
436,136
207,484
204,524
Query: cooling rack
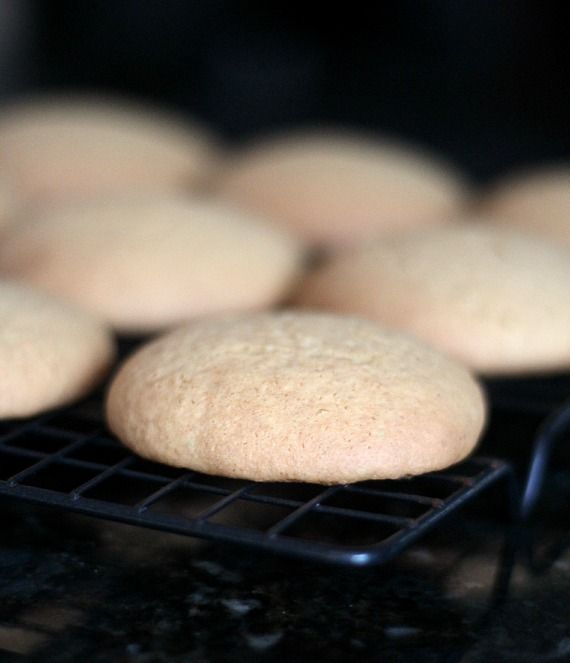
x,y
543,403
553,432
67,459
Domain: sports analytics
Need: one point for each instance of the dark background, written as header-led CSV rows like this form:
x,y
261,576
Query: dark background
x,y
485,82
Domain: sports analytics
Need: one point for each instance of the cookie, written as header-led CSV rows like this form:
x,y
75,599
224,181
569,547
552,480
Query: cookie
x,y
147,263
536,201
335,189
65,149
7,203
50,352
495,298
292,396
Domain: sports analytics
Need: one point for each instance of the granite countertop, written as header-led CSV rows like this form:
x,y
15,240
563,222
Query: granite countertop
x,y
73,588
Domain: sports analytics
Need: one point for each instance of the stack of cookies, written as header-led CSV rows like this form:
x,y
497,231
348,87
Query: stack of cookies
x,y
320,303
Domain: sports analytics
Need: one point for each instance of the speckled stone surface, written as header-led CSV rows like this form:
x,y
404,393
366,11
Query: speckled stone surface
x,y
74,589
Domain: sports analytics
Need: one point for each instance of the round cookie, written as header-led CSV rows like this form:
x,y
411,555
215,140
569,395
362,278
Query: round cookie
x,y
7,203
293,396
337,189
67,149
50,352
536,201
147,263
497,299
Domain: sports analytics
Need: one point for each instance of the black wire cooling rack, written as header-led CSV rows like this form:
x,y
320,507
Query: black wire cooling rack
x,y
553,432
66,459
547,400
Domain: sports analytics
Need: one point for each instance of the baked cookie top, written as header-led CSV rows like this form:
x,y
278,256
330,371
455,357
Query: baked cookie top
x,y
337,189
148,262
71,148
51,353
293,396
495,298
537,201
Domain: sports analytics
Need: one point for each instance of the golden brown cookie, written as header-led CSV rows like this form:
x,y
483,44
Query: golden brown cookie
x,y
50,352
293,396
495,298
336,189
73,148
7,203
536,201
150,262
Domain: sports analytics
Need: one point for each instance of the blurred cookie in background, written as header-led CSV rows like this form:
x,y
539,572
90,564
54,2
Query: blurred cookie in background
x,y
535,200
69,148
51,353
8,204
495,298
148,262
335,189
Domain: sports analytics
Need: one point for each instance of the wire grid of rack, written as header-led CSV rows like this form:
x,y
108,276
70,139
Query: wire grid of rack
x,y
548,399
67,459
